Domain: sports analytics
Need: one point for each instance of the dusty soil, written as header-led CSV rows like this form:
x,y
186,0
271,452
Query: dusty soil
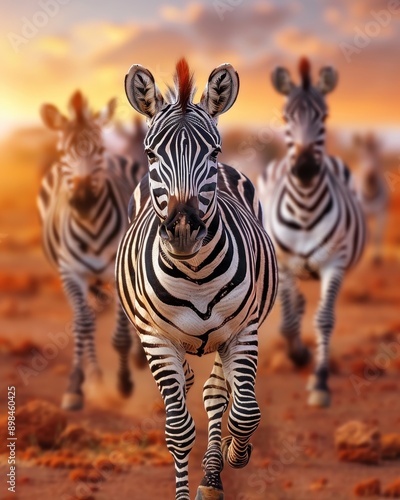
x,y
294,455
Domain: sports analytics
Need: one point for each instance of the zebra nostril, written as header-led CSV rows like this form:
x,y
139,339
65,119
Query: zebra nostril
x,y
202,232
163,232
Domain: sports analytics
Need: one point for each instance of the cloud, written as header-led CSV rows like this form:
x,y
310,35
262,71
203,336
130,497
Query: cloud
x,y
296,42
254,37
171,13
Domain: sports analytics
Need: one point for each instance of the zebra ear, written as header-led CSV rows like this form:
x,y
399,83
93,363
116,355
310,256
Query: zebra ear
x,y
142,91
221,90
281,80
107,112
328,78
52,118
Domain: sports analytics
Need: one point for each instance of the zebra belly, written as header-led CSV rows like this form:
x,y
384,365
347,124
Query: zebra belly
x,y
304,269
89,266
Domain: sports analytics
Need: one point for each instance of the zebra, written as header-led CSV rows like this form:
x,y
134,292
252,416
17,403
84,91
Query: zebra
x,y
126,139
372,189
83,203
196,271
313,217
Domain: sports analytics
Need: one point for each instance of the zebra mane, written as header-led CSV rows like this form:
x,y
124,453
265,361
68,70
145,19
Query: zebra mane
x,y
305,72
79,106
184,85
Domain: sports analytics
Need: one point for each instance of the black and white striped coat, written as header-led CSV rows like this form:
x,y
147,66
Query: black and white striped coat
x,y
83,203
87,246
313,217
312,226
196,272
204,302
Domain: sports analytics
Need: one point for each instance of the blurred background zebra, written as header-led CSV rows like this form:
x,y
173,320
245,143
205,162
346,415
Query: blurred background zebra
x,y
196,272
83,208
313,217
126,139
372,188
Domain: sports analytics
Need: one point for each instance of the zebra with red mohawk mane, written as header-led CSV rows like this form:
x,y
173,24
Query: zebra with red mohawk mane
x,y
196,272
313,217
83,203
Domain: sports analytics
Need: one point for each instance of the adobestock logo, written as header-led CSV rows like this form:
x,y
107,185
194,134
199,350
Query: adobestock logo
x,y
31,27
223,6
363,37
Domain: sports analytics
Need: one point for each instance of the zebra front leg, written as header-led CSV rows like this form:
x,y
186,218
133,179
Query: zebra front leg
x,y
239,361
331,280
83,326
94,371
216,398
122,343
292,309
166,363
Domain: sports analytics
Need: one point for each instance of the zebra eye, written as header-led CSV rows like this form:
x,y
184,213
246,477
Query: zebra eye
x,y
151,156
214,154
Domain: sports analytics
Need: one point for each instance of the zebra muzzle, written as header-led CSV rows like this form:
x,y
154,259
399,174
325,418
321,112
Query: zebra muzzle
x,y
82,198
183,235
305,166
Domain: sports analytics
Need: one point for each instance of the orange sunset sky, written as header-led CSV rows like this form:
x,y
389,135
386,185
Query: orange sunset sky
x,y
89,45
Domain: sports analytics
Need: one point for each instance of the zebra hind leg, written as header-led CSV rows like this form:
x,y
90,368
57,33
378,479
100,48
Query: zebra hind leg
x,y
100,297
331,280
122,343
216,398
293,306
83,326
239,361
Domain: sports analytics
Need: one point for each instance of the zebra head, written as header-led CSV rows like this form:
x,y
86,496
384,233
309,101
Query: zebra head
x,y
182,144
305,112
81,149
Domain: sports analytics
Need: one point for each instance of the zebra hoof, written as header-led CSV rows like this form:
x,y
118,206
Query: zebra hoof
x,y
240,462
311,383
125,387
72,401
209,493
300,357
319,399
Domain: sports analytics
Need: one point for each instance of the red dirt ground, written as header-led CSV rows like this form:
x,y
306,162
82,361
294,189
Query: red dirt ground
x,y
294,455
